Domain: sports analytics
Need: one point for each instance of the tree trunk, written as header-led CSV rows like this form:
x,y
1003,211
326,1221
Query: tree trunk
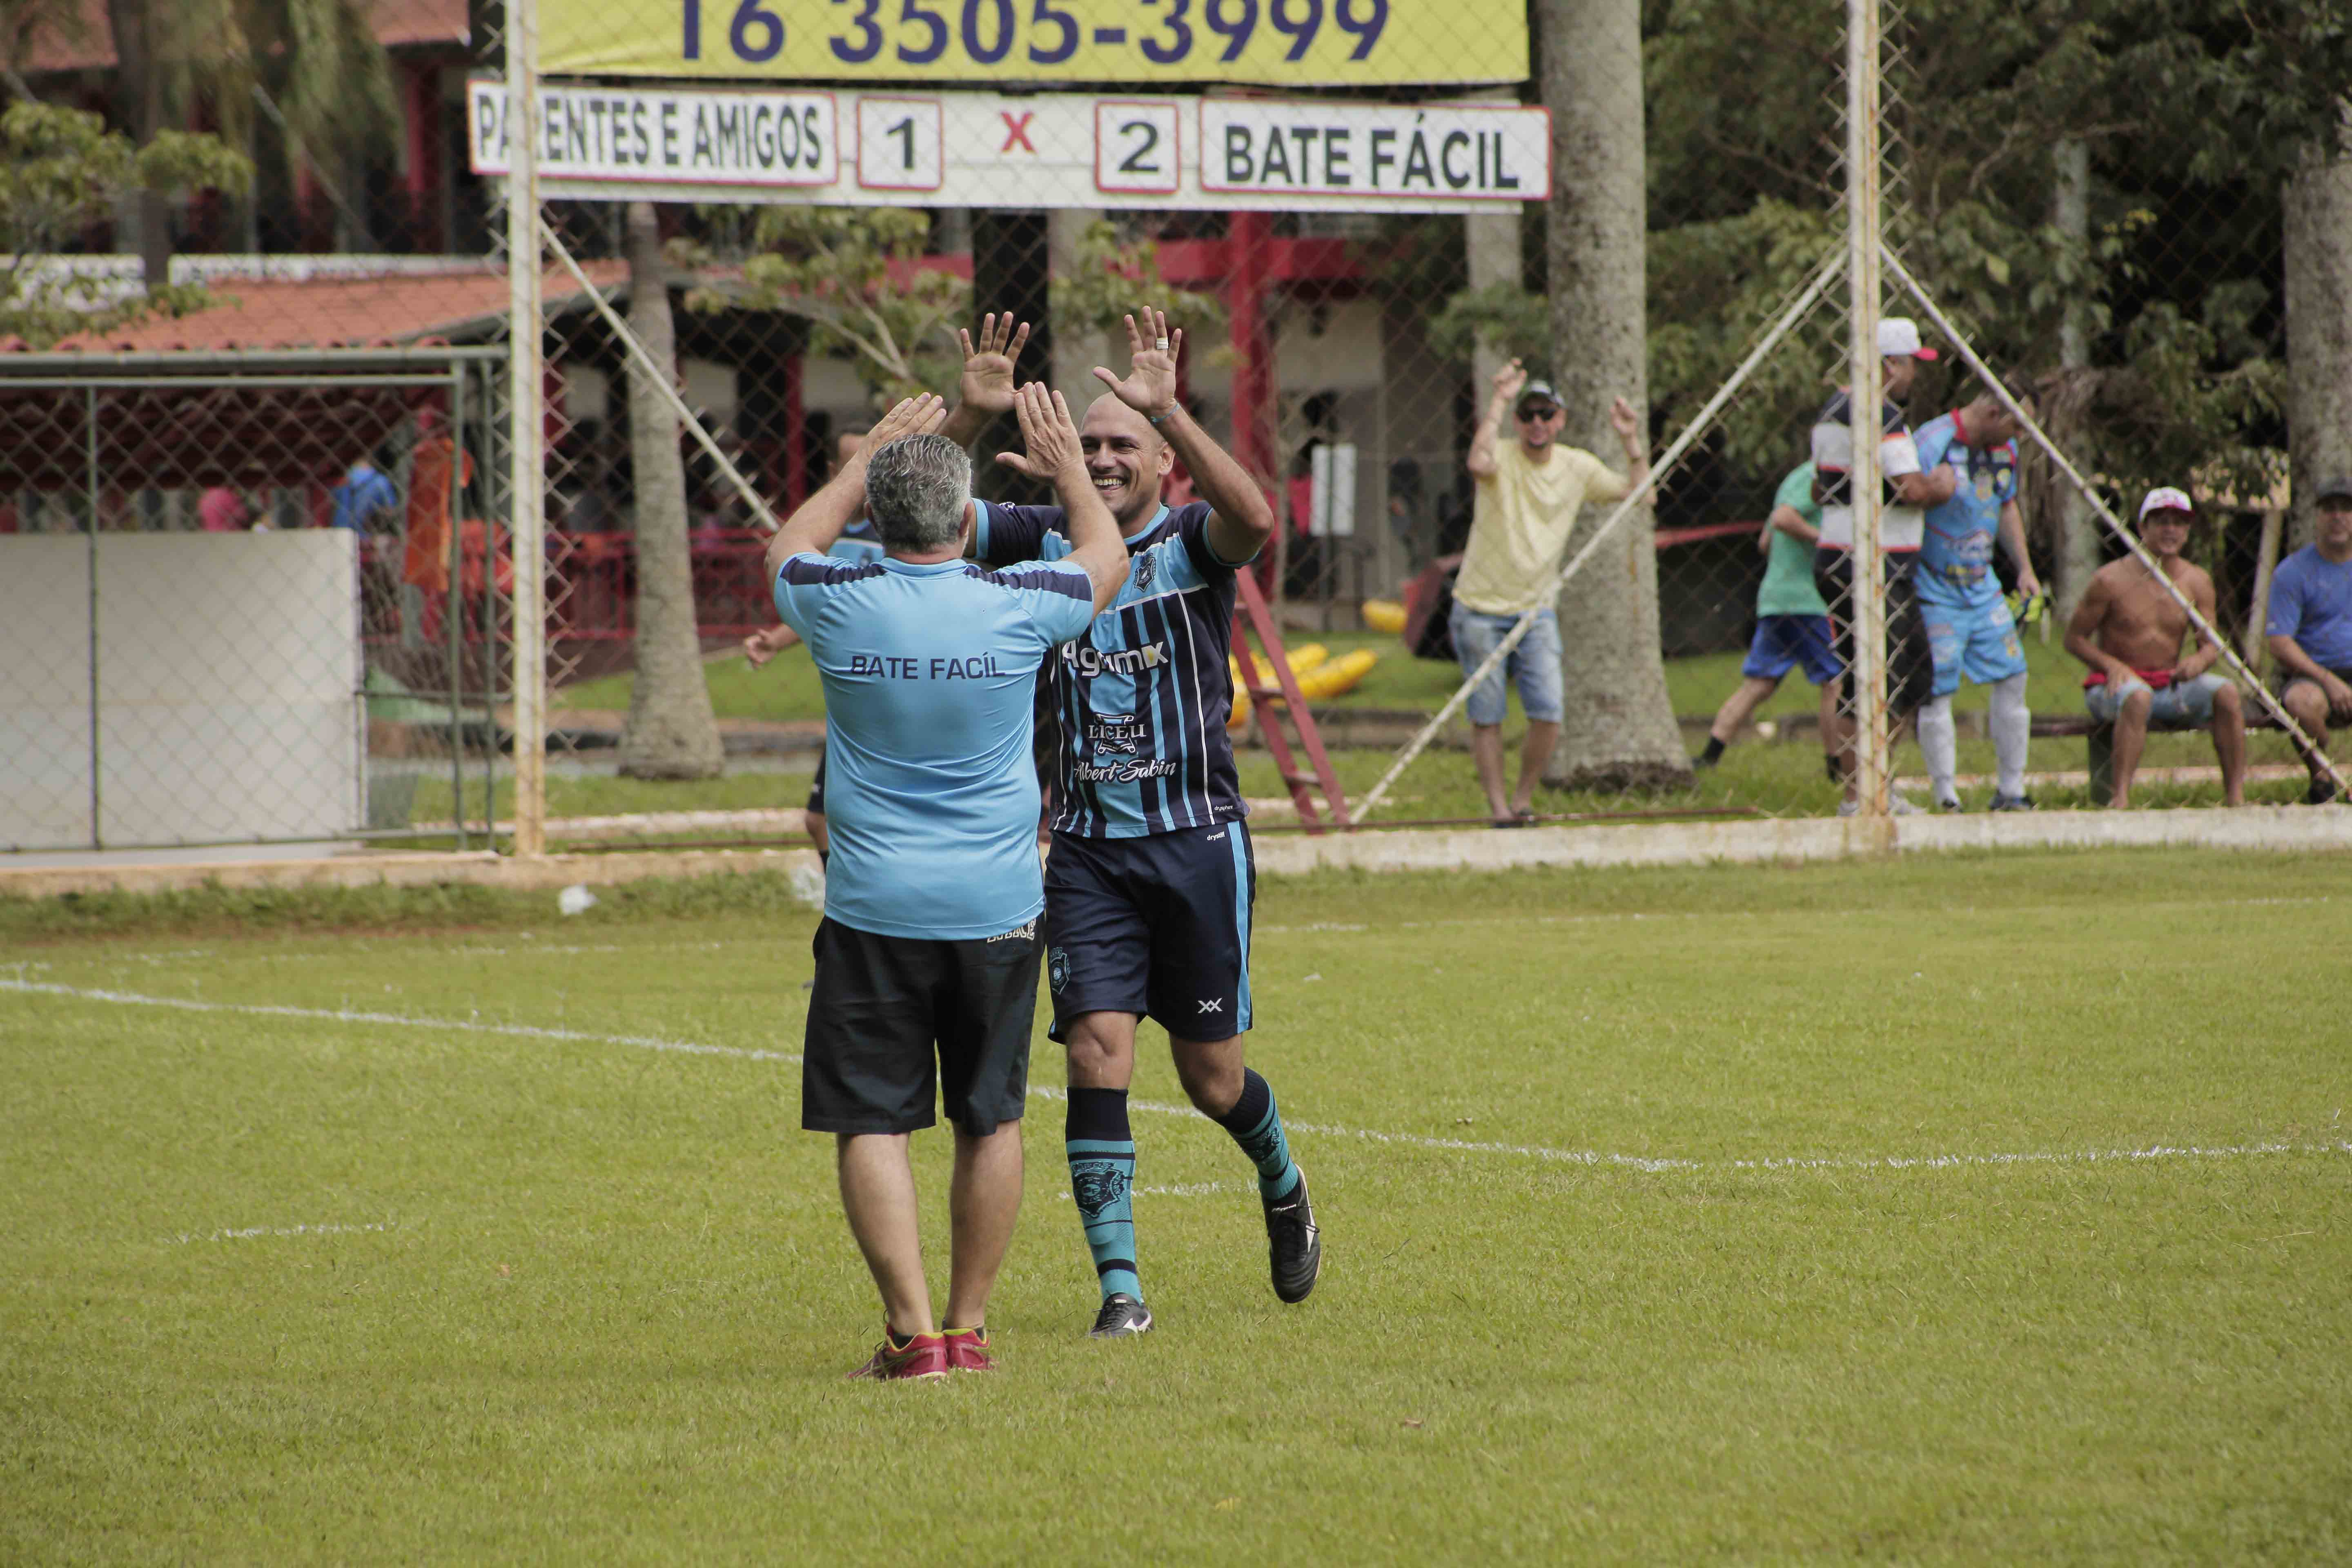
x,y
146,218
1618,732
671,732
2319,202
2078,554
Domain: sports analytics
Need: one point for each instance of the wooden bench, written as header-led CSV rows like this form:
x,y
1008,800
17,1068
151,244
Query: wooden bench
x,y
2101,739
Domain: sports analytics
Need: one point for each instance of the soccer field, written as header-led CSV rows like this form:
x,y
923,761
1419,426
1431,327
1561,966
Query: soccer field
x,y
1969,1208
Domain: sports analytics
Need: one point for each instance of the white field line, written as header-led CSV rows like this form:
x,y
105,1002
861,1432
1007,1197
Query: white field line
x,y
252,1231
1587,1157
396,1020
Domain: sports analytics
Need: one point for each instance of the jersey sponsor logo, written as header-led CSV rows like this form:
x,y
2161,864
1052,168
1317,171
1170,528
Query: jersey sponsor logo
x,y
1118,734
1090,663
1123,773
891,667
1019,934
1146,567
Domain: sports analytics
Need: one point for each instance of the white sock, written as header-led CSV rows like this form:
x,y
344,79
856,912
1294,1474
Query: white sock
x,y
1939,742
2012,727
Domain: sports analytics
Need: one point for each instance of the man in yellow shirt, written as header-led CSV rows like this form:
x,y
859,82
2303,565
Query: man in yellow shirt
x,y
1528,493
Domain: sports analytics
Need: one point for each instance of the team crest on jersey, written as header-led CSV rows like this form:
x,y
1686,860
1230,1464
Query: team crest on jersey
x,y
1057,970
1146,565
1097,1184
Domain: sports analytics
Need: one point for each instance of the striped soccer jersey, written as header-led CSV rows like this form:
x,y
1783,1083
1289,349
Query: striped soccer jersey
x,y
1139,701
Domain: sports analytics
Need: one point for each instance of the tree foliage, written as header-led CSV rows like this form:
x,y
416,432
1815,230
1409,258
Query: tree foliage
x,y
62,171
857,277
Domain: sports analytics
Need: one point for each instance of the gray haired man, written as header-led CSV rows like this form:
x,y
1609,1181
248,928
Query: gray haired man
x,y
929,940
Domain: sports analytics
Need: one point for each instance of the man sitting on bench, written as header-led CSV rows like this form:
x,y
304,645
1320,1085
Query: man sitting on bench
x,y
2310,628
2130,631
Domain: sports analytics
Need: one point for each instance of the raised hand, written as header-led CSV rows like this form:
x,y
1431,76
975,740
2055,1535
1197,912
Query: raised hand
x,y
986,384
1047,431
1624,421
918,416
1150,386
1508,380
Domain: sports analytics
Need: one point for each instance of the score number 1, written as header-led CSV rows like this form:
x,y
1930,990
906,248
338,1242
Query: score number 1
x,y
899,145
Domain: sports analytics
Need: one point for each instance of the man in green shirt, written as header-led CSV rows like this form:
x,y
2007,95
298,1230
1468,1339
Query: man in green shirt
x,y
1792,625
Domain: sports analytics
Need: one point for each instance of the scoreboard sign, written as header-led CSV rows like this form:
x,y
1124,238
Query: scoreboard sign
x,y
1281,43
1059,150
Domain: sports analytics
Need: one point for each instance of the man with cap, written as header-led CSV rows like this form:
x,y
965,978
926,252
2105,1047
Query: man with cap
x,y
1901,525
1528,493
2310,628
2129,630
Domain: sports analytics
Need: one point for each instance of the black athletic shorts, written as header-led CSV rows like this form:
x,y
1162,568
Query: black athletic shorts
x,y
1157,926
816,786
1910,663
881,1005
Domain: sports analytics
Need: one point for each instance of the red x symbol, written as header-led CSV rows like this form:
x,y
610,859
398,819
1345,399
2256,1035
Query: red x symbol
x,y
1016,130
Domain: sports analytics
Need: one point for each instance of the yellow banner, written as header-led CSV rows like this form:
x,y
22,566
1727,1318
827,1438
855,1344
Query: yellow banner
x,y
1282,43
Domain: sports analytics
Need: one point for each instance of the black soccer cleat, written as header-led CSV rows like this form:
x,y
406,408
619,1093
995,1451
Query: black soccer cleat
x,y
1122,1317
1296,1244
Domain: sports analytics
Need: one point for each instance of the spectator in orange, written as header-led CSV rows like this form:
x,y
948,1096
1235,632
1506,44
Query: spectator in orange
x,y
424,564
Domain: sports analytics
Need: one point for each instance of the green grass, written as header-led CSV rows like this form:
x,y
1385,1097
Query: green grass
x,y
609,1307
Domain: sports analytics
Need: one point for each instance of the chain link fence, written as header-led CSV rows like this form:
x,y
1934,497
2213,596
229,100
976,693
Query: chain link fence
x,y
1342,206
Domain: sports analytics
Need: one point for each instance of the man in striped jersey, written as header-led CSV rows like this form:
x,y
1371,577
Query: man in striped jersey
x,y
1150,881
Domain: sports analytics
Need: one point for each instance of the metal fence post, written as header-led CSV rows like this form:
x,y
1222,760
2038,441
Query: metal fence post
x,y
1871,745
528,485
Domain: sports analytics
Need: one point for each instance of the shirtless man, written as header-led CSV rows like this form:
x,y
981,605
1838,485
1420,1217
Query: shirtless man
x,y
2130,631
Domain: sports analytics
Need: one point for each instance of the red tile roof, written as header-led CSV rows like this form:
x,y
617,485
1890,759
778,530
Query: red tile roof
x,y
399,23
324,312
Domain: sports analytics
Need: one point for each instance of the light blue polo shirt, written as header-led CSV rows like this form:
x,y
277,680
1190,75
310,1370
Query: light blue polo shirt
x,y
930,672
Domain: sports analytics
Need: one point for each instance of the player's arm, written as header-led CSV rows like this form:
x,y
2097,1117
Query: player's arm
x,y
984,389
2295,661
762,647
1623,420
2201,594
2083,631
1052,453
821,518
1788,519
1482,461
2013,539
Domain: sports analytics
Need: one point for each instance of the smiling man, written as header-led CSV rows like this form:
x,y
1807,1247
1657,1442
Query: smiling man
x,y
1150,881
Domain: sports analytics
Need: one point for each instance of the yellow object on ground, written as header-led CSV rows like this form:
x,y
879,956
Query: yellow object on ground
x,y
1341,675
1384,616
1307,656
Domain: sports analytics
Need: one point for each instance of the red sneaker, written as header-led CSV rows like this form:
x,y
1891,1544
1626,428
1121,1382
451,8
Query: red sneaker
x,y
925,1355
968,1350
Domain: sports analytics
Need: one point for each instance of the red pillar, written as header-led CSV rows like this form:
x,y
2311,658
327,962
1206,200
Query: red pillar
x,y
1248,251
421,106
796,464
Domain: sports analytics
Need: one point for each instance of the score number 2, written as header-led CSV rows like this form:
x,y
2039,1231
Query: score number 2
x,y
1136,148
986,30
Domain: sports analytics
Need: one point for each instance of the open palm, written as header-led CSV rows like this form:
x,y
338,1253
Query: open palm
x,y
1150,387
986,384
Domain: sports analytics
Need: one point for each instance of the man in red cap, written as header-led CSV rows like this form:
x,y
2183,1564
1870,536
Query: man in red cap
x,y
2130,632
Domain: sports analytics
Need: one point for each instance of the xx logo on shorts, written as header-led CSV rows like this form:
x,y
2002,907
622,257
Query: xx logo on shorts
x,y
1097,1184
1215,1004
1057,970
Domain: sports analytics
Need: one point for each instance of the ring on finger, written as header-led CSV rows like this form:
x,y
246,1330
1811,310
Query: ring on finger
x,y
1164,345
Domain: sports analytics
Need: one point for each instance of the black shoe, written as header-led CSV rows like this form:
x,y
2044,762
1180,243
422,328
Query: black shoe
x,y
1296,1244
2322,791
2020,802
1122,1317
1701,763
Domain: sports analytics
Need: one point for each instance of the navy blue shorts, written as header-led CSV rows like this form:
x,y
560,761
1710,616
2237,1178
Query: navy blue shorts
x,y
1156,926
1783,642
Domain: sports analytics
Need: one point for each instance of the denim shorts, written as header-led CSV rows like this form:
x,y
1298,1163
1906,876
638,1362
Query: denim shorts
x,y
2184,702
1533,666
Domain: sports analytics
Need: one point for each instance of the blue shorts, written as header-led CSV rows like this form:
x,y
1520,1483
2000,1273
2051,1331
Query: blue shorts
x,y
2185,703
1783,642
1533,666
1156,926
1975,641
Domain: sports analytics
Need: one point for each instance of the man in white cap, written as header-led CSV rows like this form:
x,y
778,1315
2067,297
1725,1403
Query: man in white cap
x,y
1901,525
2130,632
2310,628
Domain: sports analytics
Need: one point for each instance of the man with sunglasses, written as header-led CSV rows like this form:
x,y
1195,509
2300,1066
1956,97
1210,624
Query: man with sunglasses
x,y
1530,491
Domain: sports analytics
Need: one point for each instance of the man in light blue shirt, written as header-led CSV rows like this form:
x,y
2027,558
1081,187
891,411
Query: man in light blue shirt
x,y
929,937
2310,629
